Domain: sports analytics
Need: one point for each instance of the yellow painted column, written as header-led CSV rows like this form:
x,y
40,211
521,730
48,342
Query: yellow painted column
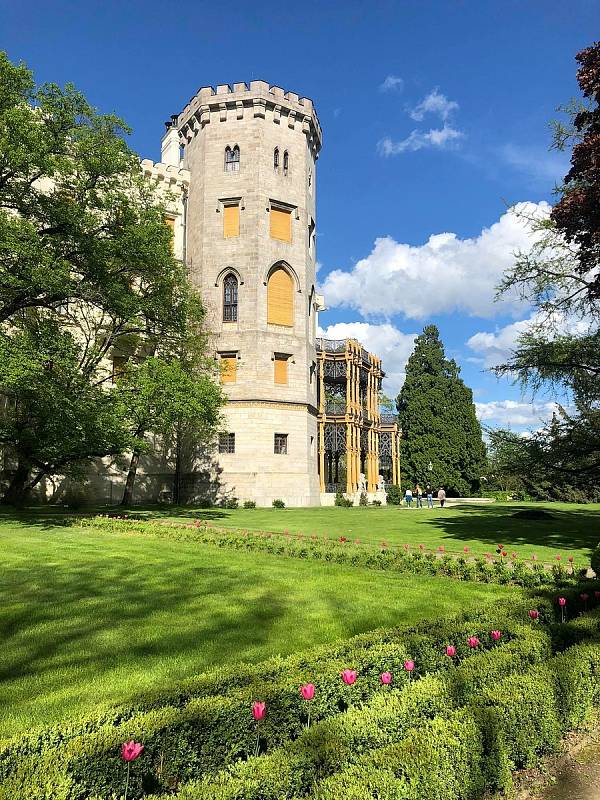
x,y
322,384
349,461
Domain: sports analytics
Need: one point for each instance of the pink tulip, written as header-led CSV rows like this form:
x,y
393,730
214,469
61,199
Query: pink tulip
x,y
465,549
259,710
473,641
570,559
558,558
451,651
385,678
441,548
130,751
513,555
496,635
562,601
585,597
409,665
534,557
533,614
421,547
307,691
349,676
406,547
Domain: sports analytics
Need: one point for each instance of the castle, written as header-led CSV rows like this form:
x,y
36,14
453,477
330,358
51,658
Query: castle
x,y
302,417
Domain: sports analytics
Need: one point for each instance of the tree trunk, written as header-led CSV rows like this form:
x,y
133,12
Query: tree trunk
x,y
19,487
177,475
129,484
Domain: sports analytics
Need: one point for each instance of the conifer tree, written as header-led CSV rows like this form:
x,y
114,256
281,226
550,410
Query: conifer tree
x,y
437,417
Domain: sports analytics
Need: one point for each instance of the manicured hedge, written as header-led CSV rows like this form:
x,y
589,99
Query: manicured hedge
x,y
512,726
344,740
207,732
530,575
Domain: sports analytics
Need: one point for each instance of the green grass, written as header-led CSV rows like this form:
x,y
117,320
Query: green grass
x,y
570,530
88,619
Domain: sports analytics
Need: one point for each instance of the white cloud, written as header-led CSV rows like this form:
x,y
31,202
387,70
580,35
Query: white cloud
x,y
497,347
386,341
511,413
442,138
392,84
434,103
444,275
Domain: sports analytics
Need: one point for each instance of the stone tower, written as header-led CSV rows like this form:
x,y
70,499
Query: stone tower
x,y
251,152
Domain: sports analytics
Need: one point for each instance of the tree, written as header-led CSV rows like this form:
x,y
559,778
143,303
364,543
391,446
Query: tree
x,y
86,271
438,421
559,275
172,393
577,214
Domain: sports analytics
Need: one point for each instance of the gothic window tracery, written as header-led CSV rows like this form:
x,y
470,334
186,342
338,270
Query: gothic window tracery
x,y
232,159
230,298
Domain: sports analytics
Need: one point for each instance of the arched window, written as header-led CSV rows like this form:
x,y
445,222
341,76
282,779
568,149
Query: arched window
x,y
230,298
232,159
286,162
276,159
280,298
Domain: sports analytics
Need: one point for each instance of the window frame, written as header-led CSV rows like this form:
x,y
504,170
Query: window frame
x,y
280,447
232,159
276,159
226,443
231,277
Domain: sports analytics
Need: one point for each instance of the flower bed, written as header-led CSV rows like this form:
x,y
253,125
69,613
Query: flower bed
x,y
342,551
199,736
421,742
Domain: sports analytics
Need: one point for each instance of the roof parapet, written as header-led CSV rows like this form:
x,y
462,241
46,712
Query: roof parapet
x,y
239,96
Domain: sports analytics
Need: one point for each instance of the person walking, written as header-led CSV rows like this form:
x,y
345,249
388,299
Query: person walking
x,y
429,495
442,496
419,496
408,497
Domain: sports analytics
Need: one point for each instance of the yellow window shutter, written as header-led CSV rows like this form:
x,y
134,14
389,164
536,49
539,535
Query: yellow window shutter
x,y
171,224
281,370
231,221
228,369
280,298
281,225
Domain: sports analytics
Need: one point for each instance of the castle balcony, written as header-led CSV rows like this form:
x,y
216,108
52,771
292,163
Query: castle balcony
x,y
350,425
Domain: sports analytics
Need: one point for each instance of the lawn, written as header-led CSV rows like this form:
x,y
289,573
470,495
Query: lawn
x,y
570,529
89,619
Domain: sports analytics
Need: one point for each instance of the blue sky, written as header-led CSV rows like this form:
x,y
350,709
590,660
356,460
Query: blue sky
x,y
435,118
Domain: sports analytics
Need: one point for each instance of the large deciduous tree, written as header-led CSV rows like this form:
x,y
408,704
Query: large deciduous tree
x,y
438,421
86,271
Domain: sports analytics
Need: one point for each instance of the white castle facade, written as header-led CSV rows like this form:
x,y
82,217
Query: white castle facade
x,y
302,418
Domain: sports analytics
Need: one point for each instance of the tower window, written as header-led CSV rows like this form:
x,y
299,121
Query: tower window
x,y
280,444
286,162
232,159
276,159
231,221
281,224
280,298
281,369
119,368
230,298
227,443
228,367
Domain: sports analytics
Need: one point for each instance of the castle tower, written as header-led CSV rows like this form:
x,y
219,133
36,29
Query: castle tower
x,y
251,153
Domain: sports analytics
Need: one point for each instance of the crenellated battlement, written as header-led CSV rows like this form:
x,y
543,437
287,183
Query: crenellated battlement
x,y
258,98
173,176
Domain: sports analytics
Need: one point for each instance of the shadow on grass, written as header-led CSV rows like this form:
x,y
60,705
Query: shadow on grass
x,y
562,529
110,612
